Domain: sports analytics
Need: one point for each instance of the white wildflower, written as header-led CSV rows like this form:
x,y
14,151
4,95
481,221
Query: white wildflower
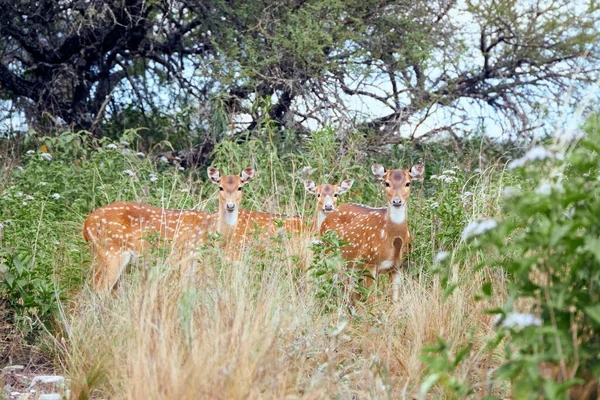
x,y
450,179
140,154
19,194
181,169
130,173
20,168
43,183
449,171
178,158
544,189
434,205
24,203
467,194
153,178
56,196
570,213
164,159
209,33
433,177
535,153
223,18
100,187
517,320
112,146
46,156
30,151
476,228
477,171
184,190
125,151
124,143
28,197
1,225
441,256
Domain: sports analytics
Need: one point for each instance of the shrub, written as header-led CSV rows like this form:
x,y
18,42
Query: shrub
x,y
549,244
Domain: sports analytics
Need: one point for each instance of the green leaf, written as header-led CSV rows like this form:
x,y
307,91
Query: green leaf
x,y
593,312
556,390
592,245
487,288
428,383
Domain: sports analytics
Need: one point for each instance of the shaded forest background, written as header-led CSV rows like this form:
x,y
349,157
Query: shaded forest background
x,y
196,71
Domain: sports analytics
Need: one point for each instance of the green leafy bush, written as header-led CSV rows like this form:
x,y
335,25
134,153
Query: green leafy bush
x,y
549,245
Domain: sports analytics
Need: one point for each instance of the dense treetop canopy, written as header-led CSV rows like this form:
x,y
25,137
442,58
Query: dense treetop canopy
x,y
205,68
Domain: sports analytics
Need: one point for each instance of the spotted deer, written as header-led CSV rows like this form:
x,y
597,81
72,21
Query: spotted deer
x,y
327,197
378,236
239,226
119,232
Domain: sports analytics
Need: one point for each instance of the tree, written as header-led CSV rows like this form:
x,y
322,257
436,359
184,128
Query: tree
x,y
298,63
63,59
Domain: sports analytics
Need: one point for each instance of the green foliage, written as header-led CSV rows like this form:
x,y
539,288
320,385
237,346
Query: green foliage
x,y
442,364
335,283
548,243
27,291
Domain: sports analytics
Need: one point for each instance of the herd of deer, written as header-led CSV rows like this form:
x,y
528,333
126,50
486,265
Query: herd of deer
x,y
380,237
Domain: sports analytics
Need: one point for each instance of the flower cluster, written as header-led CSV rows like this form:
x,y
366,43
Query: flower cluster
x,y
535,153
445,178
476,228
517,320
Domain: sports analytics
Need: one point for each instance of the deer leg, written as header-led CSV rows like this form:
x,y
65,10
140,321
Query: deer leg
x,y
370,281
399,251
109,268
395,278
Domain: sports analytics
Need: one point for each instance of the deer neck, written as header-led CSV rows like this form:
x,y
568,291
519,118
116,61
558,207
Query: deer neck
x,y
227,221
396,219
318,220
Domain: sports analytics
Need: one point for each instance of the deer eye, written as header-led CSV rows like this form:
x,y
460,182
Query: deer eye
x,y
335,195
387,184
240,188
319,195
221,188
407,184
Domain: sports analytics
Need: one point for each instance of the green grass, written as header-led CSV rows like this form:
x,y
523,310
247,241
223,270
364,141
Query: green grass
x,y
262,326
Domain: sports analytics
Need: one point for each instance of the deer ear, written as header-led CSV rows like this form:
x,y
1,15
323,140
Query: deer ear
x,y
345,186
310,187
214,174
417,172
247,175
378,171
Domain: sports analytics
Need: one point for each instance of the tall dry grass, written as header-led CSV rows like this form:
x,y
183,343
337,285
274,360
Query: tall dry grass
x,y
255,329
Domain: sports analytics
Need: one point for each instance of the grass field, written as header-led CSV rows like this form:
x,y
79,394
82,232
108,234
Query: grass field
x,y
276,323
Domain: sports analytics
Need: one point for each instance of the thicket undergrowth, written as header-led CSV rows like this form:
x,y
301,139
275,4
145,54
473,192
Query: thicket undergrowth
x,y
278,323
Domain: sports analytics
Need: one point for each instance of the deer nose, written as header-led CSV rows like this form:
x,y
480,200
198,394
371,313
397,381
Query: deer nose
x,y
328,207
230,207
397,202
